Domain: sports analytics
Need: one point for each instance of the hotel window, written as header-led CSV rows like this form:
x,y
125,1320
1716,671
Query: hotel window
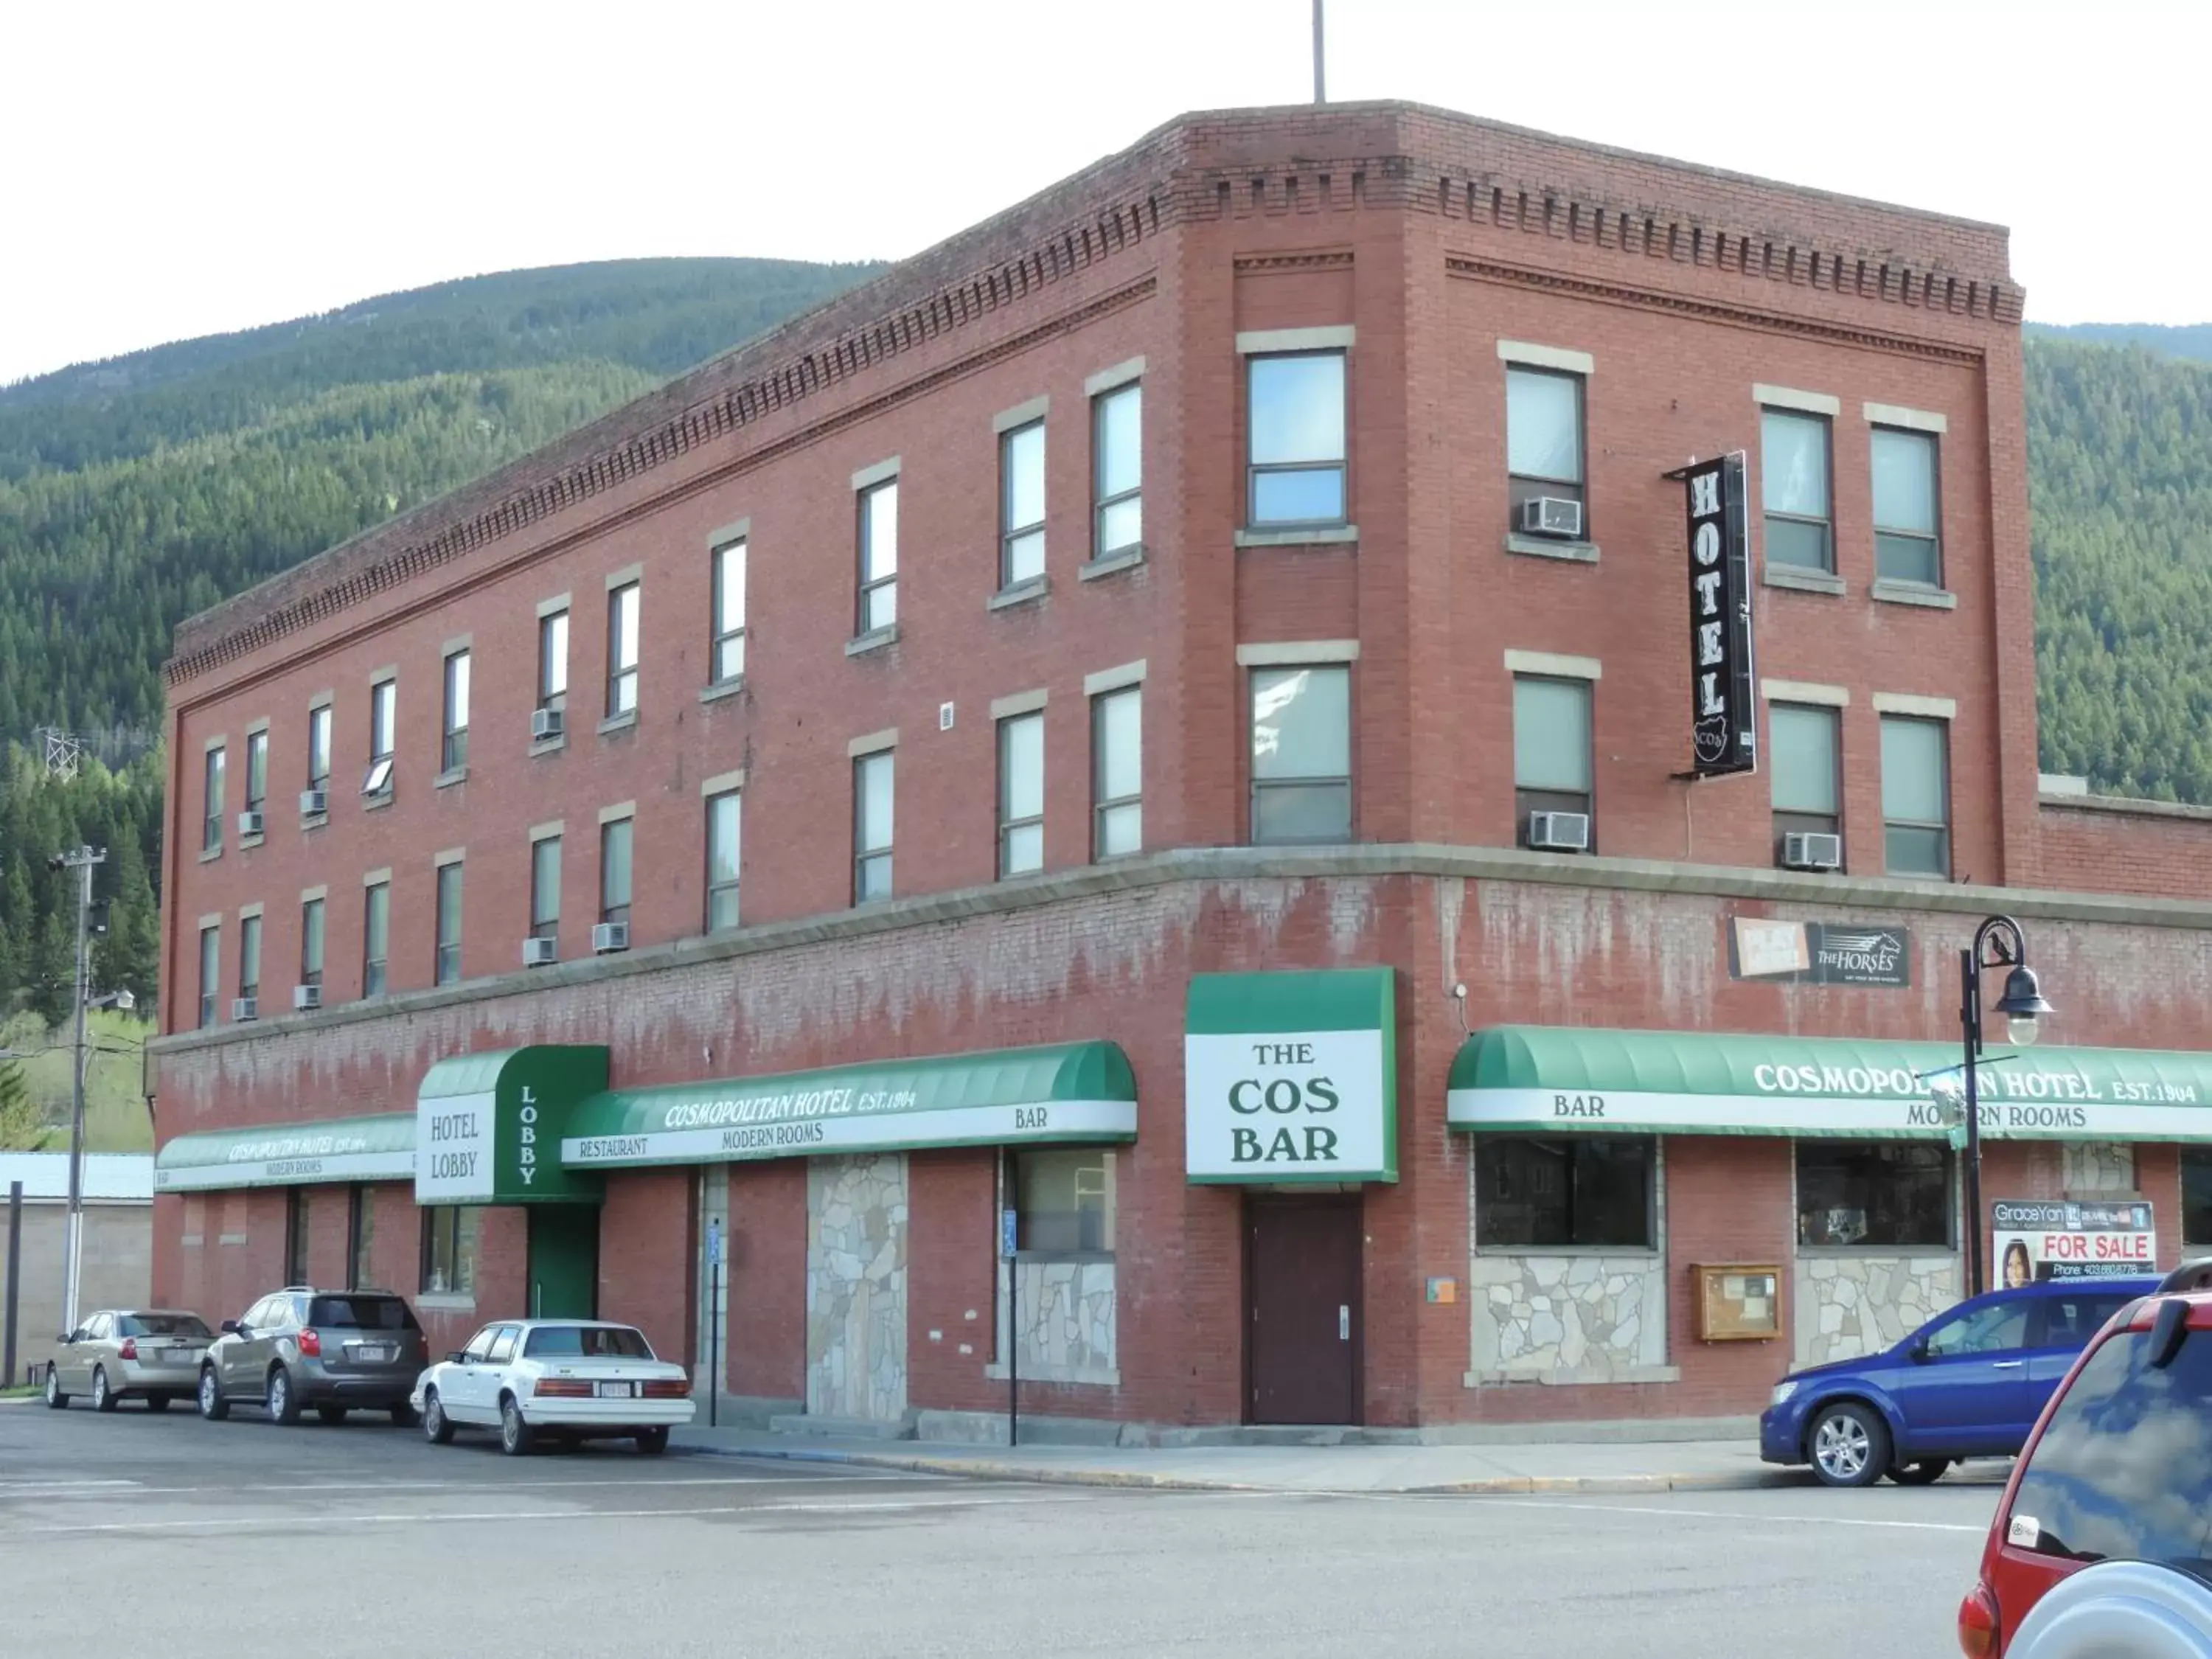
x,y
1915,796
311,942
375,936
727,659
383,713
622,650
545,887
1021,504
553,660
257,770
449,924
1793,467
449,1249
1295,411
297,1237
871,827
1300,754
1804,762
249,958
878,554
211,801
455,753
360,1237
210,971
1552,759
2195,1195
1117,419
1881,1194
1021,794
615,871
724,823
319,747
1569,1191
1117,772
1063,1199
1907,546
1544,439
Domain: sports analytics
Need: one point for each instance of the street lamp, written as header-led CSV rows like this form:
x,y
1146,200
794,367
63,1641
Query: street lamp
x,y
1998,942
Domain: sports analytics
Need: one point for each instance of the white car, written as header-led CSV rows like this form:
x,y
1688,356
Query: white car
x,y
568,1379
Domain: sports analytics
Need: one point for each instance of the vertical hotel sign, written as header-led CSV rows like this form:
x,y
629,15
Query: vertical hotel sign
x,y
1724,720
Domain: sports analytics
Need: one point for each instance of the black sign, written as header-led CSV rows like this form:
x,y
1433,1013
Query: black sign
x,y
1821,952
1724,722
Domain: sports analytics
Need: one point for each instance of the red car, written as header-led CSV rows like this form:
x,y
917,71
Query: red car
x,y
2118,1468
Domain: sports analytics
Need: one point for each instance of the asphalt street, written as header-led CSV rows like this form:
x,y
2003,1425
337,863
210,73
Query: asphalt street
x,y
364,1540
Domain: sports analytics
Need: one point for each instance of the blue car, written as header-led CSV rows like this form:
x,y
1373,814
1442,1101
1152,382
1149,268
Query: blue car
x,y
1969,1383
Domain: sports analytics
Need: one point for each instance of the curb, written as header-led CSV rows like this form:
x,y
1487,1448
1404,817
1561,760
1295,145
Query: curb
x,y
1514,1486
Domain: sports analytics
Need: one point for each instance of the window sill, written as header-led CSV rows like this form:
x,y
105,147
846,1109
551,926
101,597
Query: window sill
x,y
1544,547
993,1371
445,1302
1805,581
447,779
209,854
550,745
1305,535
1571,1379
1022,593
372,803
876,640
247,842
1896,592
1108,564
312,821
722,688
1571,1252
622,722
1931,1252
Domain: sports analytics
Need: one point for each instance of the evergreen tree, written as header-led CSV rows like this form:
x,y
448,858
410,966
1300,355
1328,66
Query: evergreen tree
x,y
22,1125
129,953
53,974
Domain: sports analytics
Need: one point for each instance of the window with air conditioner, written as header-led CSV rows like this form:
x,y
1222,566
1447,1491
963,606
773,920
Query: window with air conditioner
x,y
553,662
1553,767
1544,454
257,773
1805,771
615,843
545,888
311,945
249,962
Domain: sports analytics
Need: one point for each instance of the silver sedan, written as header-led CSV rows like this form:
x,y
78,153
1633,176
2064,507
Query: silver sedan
x,y
151,1354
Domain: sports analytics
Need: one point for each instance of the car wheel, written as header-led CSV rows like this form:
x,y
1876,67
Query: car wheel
x,y
516,1437
103,1397
282,1402
332,1415
157,1403
653,1442
1849,1445
55,1397
213,1406
437,1427
403,1415
1923,1472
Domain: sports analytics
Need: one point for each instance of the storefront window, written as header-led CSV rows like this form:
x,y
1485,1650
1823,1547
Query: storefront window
x,y
1574,1191
1877,1194
1063,1200
2196,1195
449,1250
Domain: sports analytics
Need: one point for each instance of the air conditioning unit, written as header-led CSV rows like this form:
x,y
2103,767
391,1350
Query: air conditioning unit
x,y
1559,832
244,1008
304,997
540,952
249,823
314,803
611,936
1812,852
1552,516
545,723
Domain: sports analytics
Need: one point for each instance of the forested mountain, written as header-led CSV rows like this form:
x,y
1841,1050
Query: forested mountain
x,y
2167,340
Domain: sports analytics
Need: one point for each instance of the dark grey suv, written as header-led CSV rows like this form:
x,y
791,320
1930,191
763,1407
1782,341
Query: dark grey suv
x,y
329,1351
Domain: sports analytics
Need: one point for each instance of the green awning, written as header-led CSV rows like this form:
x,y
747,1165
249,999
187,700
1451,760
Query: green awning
x,y
288,1154
486,1125
1525,1078
1073,1091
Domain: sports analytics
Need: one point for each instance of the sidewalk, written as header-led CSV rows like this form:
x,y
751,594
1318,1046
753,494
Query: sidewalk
x,y
1557,1466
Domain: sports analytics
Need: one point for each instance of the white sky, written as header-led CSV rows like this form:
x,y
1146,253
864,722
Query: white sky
x,y
175,170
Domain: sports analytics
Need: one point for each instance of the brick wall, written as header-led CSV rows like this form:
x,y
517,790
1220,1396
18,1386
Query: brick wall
x,y
647,1271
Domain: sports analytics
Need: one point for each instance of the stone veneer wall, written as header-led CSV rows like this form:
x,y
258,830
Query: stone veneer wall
x,y
1067,1323
856,1249
1570,1316
1851,1303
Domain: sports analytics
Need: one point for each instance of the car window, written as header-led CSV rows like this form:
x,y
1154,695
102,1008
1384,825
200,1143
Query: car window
x,y
2124,1470
480,1344
588,1341
1989,1329
95,1329
364,1312
162,1324
502,1346
2072,1319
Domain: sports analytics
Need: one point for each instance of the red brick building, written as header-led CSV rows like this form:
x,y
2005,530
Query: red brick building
x,y
1051,729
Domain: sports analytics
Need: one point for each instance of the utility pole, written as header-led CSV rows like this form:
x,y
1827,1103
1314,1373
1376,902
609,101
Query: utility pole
x,y
1321,90
82,861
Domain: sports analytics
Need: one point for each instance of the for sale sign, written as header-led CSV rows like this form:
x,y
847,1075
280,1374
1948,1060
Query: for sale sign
x,y
2039,1239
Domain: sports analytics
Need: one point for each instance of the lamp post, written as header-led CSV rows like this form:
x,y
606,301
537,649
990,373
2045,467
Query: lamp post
x,y
1998,942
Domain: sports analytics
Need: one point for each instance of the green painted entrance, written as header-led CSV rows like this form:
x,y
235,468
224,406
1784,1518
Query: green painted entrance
x,y
564,1261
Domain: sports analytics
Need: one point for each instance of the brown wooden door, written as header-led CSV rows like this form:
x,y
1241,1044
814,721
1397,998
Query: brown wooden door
x,y
1302,1313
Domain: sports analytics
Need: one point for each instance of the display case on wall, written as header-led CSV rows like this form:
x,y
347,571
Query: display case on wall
x,y
1737,1301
